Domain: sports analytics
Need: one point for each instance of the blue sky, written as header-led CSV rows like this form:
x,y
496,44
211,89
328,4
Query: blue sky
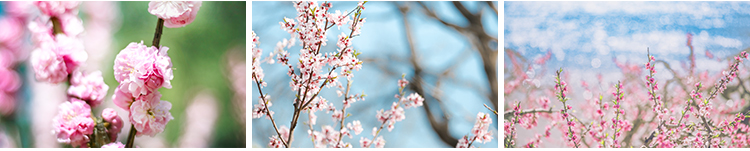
x,y
383,38
577,31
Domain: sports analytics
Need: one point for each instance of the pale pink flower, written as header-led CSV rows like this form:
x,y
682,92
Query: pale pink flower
x,y
115,122
356,126
364,142
463,142
54,59
141,69
379,142
481,128
48,66
71,24
150,115
275,142
73,123
114,145
122,98
175,13
90,88
337,115
413,100
55,8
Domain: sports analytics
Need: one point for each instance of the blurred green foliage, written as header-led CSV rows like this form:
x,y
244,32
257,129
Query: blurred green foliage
x,y
198,56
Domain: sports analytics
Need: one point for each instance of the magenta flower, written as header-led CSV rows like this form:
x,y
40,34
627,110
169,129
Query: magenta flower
x,y
90,88
55,8
73,123
115,122
175,13
114,145
150,115
140,69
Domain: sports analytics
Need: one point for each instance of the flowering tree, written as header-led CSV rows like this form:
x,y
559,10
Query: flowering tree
x,y
139,69
685,111
315,72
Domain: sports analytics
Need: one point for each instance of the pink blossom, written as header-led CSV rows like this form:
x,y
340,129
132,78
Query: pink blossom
x,y
356,126
73,123
413,100
90,88
379,142
337,115
122,98
55,8
115,122
54,60
364,142
114,145
463,142
175,13
141,69
259,110
150,115
275,142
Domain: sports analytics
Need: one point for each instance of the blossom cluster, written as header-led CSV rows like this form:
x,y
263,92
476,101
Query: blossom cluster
x,y
141,70
58,53
684,118
480,131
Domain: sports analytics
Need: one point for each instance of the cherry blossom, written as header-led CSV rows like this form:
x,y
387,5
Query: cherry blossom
x,y
141,69
55,8
175,13
115,122
150,115
90,88
114,145
73,123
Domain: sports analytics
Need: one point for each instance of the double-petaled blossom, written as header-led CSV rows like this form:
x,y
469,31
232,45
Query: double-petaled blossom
x,y
175,13
114,145
115,122
55,8
150,115
141,69
55,58
90,88
73,123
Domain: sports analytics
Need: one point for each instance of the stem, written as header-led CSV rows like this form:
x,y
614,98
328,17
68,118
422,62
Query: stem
x,y
131,137
157,33
56,26
493,111
343,111
265,104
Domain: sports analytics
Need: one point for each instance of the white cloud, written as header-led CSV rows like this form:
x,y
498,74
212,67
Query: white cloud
x,y
605,27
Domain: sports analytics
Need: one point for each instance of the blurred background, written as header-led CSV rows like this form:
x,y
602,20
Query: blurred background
x,y
208,56
449,57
